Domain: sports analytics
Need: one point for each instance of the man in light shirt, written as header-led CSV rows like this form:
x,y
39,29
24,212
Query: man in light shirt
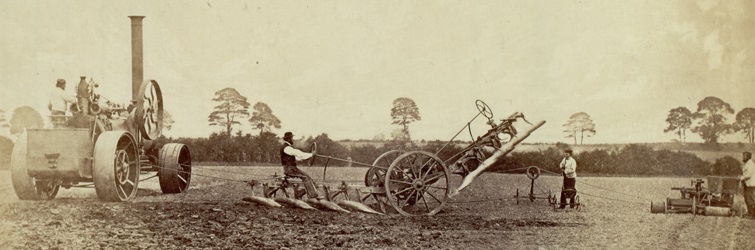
x,y
748,182
58,103
289,157
569,167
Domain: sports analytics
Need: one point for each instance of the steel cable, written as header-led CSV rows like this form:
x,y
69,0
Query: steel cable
x,y
638,197
225,171
608,198
214,177
606,189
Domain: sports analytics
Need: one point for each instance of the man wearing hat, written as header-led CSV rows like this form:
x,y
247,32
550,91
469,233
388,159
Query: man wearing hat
x,y
289,157
569,168
58,103
748,183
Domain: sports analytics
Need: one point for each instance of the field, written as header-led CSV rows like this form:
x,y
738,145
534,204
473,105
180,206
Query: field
x,y
211,215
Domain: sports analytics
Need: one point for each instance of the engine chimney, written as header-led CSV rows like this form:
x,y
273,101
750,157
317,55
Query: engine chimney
x,y
137,59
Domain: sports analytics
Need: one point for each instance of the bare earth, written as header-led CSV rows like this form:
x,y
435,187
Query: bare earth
x,y
211,215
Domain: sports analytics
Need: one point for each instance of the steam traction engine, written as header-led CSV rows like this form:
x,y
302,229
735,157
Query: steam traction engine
x,y
102,144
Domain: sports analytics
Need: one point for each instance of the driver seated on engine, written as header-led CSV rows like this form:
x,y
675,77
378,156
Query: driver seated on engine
x,y
58,103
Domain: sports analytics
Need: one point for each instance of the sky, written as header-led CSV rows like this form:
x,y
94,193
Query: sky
x,y
335,67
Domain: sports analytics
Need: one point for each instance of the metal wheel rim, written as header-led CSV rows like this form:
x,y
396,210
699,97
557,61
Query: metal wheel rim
x,y
116,166
126,174
416,183
122,167
376,174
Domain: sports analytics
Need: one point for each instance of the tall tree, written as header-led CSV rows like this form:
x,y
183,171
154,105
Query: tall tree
x,y
25,117
404,112
263,118
745,122
679,120
711,112
579,123
231,108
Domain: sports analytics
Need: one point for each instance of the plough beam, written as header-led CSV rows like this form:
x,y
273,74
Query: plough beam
x,y
504,150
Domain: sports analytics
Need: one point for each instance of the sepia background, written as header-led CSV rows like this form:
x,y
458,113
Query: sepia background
x,y
335,67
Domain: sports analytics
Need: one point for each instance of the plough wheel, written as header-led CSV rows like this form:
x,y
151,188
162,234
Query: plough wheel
x,y
174,168
26,187
149,110
375,177
116,166
376,174
416,183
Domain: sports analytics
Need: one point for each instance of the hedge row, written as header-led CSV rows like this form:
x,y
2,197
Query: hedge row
x,y
631,160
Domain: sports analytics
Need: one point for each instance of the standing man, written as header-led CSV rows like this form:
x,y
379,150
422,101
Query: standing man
x,y
289,156
58,103
569,169
82,93
748,182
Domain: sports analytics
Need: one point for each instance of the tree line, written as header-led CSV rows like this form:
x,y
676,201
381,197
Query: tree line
x,y
710,121
232,108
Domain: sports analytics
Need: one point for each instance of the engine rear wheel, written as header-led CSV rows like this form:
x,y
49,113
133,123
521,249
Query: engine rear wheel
x,y
174,168
116,166
25,186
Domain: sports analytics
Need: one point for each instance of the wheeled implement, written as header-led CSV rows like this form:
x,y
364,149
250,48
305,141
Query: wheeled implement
x,y
103,144
715,199
417,182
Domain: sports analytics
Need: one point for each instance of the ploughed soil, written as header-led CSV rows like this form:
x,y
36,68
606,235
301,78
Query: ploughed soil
x,y
211,215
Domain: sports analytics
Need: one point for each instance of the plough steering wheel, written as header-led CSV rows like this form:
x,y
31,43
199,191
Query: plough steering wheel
x,y
313,150
484,109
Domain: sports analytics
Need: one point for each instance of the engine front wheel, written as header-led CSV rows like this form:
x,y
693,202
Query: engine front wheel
x,y
116,166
